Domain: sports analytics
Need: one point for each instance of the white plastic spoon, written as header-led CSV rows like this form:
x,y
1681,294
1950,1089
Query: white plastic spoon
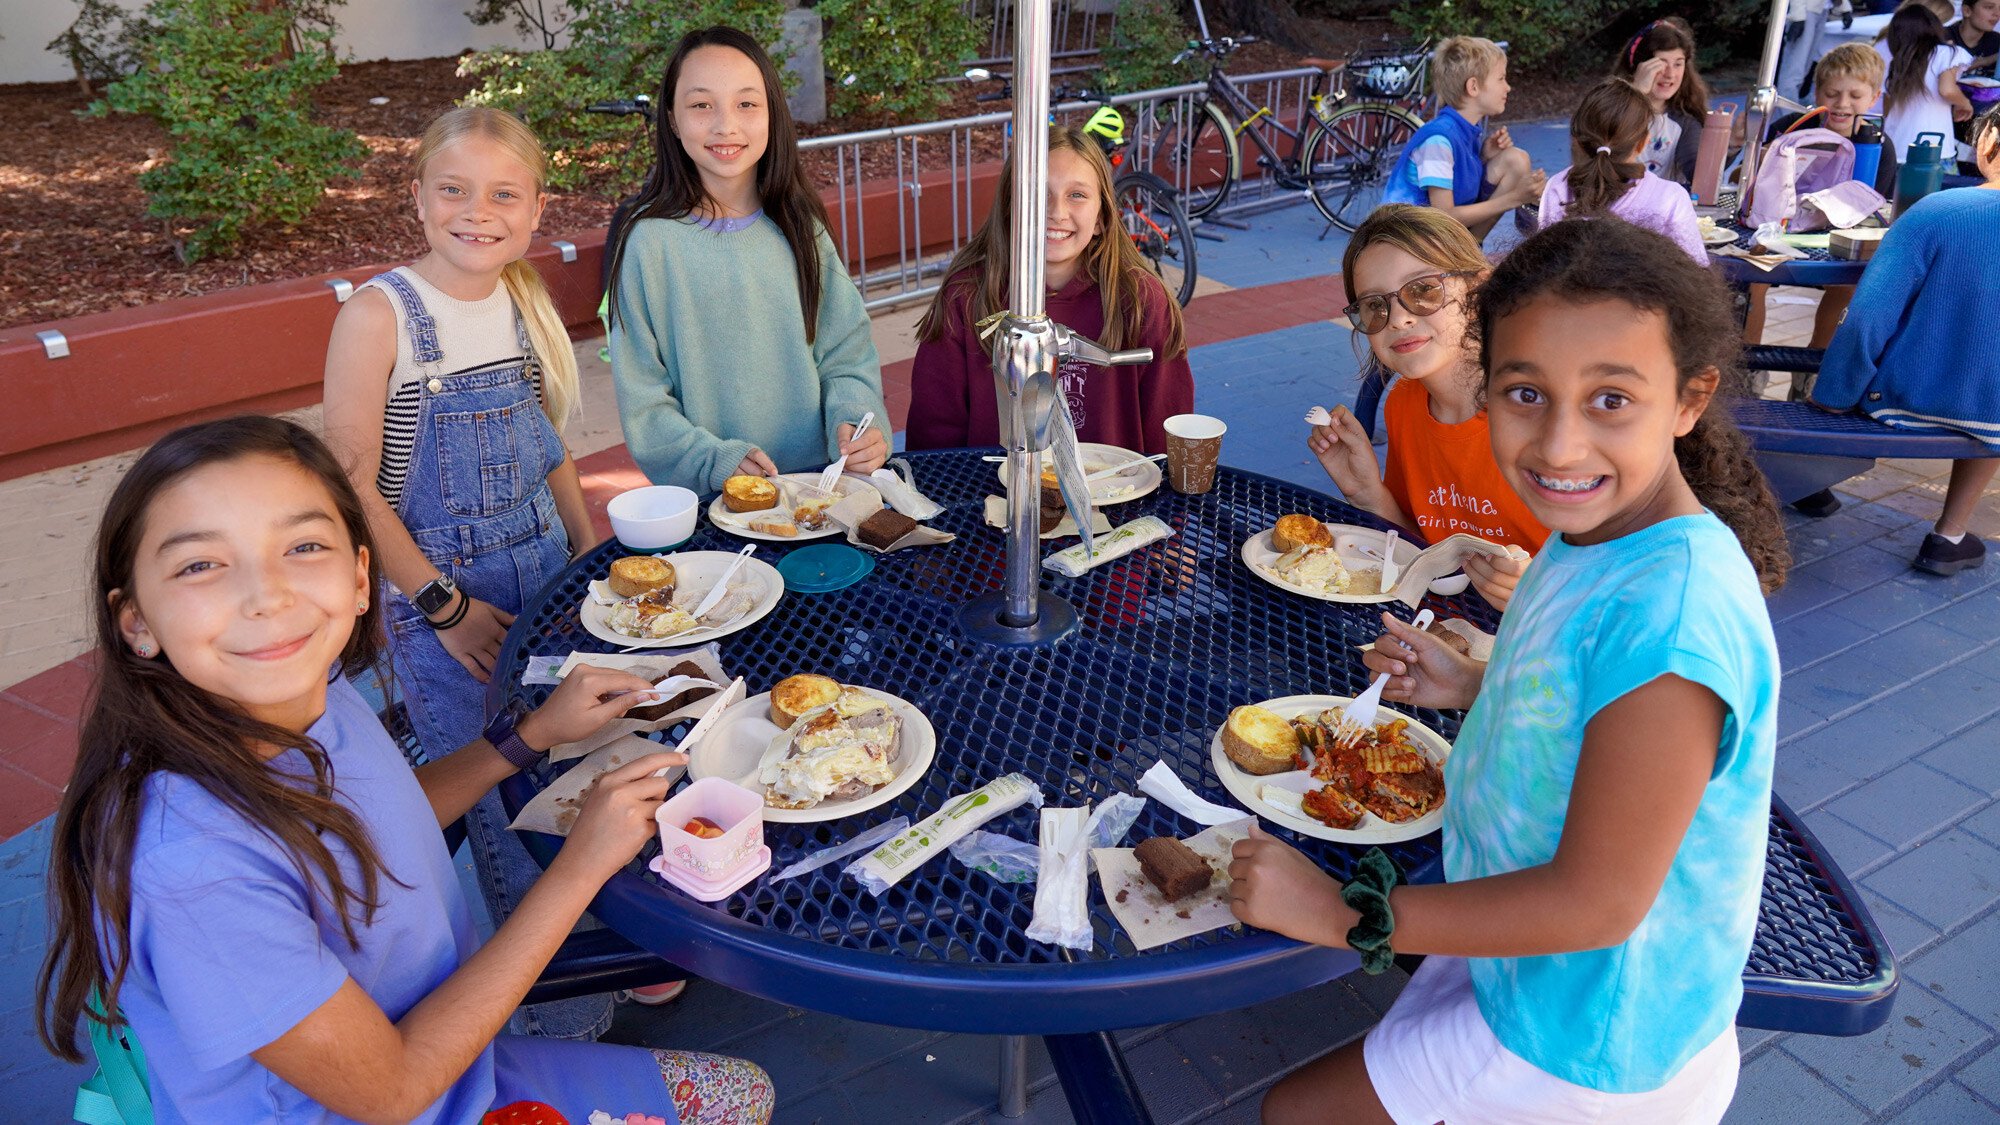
x,y
1390,571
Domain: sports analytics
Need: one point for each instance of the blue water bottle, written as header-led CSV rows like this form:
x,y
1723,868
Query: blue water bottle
x,y
1867,151
1922,173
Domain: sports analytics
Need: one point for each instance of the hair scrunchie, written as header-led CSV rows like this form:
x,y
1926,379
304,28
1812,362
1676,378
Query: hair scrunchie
x,y
1368,893
1604,150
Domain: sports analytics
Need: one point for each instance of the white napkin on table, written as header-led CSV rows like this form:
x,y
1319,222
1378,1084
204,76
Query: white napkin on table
x,y
1163,785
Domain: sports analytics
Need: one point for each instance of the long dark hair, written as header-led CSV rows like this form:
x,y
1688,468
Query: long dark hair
x,y
1669,34
982,265
1914,33
1583,261
673,188
142,718
1609,127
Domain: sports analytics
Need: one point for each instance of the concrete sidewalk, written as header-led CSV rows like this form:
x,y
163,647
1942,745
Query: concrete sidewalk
x,y
1890,750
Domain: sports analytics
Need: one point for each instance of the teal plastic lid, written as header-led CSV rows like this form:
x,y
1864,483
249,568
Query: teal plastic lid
x,y
824,567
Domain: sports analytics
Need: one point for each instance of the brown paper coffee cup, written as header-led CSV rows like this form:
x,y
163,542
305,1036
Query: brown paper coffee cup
x,y
1194,447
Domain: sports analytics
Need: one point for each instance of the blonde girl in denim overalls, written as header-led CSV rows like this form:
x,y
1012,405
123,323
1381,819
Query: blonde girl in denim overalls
x,y
445,384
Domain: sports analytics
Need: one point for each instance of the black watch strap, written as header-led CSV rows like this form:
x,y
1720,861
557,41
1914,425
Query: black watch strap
x,y
504,733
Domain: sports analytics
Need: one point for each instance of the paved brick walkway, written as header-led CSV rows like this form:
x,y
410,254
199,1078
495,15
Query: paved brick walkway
x,y
1890,749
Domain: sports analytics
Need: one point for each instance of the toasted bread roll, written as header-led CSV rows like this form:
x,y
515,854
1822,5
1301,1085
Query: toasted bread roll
x,y
1258,741
641,574
795,695
1295,531
749,494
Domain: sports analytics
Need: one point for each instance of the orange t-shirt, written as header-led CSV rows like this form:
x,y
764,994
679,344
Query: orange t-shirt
x,y
1444,477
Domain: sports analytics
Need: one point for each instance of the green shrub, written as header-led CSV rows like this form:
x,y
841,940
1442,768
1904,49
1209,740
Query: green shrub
x,y
219,77
1144,41
886,58
617,49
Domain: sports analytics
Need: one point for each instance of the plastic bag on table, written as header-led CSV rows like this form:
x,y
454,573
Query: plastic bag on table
x,y
1001,858
1062,883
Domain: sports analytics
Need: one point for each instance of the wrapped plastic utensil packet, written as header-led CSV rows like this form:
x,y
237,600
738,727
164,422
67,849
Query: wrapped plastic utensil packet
x,y
898,485
1062,884
1000,858
813,861
903,853
1007,860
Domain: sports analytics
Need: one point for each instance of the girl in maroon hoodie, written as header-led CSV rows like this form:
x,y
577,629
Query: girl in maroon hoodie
x,y
1099,286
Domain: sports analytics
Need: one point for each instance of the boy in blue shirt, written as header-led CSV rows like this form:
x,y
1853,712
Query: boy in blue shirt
x,y
1453,163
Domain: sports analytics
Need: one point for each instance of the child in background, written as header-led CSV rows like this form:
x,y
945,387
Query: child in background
x,y
1659,63
447,383
1454,163
248,874
738,342
1942,9
1408,271
1847,81
1099,286
1604,841
1975,32
1606,175
1922,94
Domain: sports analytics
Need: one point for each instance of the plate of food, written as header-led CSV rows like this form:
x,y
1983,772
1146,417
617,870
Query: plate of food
x,y
647,601
1333,562
1714,233
1138,476
783,509
1388,785
817,749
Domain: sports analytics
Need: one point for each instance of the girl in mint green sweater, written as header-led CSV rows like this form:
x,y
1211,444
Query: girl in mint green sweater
x,y
738,342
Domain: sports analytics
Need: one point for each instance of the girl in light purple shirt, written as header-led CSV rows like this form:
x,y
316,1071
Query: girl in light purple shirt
x,y
1606,176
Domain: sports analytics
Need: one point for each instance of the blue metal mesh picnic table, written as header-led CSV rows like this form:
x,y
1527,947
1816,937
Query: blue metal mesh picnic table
x,y
1170,639
1818,267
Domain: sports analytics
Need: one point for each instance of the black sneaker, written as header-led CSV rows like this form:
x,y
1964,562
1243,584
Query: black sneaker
x,y
1941,556
1819,505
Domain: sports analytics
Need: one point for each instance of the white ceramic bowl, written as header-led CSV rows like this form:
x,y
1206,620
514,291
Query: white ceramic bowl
x,y
654,517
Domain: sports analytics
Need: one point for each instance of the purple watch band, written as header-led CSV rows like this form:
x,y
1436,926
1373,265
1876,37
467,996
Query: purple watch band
x,y
505,736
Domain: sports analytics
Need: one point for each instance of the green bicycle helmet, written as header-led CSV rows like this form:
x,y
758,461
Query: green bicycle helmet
x,y
1108,123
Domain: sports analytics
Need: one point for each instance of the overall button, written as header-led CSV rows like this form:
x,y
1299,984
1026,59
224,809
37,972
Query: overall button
x,y
435,385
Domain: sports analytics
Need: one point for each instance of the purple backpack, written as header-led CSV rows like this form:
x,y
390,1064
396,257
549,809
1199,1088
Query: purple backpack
x,y
1796,165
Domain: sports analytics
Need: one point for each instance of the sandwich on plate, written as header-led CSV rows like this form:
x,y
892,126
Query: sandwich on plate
x,y
839,750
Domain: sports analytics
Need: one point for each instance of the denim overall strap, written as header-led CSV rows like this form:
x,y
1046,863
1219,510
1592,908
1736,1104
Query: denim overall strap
x,y
422,328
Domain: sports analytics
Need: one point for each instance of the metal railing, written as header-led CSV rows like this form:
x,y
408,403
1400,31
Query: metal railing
x,y
913,269
1078,28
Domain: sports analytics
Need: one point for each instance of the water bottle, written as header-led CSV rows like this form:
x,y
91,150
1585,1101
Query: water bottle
x,y
1712,154
1922,172
1867,151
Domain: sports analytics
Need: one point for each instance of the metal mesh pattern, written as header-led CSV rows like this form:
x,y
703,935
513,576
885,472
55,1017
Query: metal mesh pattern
x,y
1807,926
1171,638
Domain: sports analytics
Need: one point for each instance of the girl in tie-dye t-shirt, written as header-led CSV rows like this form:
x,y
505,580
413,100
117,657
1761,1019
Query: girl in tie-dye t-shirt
x,y
1604,832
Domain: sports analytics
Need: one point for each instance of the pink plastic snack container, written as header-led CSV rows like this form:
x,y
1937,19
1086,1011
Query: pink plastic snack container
x,y
714,868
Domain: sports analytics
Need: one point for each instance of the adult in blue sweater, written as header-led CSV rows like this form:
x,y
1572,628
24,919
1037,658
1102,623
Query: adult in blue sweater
x,y
1916,350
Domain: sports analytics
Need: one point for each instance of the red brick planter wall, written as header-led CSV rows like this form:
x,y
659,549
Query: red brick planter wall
x,y
133,374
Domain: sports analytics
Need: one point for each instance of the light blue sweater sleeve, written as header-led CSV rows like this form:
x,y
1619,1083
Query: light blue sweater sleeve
x,y
667,446
1881,307
850,371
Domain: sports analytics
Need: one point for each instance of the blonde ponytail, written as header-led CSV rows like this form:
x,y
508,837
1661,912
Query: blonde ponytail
x,y
547,338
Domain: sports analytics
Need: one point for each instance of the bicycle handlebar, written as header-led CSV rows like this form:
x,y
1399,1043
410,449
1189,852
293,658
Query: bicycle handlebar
x,y
622,107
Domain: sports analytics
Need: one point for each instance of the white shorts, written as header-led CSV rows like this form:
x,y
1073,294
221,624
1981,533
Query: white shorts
x,y
1432,1059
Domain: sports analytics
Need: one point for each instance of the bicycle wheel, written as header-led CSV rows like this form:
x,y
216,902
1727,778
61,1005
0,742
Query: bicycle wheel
x,y
1154,221
1349,155
1196,153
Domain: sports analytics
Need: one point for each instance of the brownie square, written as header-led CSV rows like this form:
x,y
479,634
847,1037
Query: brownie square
x,y
882,529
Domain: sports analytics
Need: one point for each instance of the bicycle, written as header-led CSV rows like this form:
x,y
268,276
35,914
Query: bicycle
x,y
1341,155
1148,207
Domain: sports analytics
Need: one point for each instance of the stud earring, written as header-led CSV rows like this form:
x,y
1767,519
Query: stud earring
x,y
143,649
361,607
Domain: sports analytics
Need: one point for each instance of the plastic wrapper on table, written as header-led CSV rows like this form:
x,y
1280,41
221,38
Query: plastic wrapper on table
x,y
1001,858
889,864
1062,883
816,860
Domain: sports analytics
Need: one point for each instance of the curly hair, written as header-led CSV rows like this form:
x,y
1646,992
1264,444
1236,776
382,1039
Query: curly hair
x,y
1590,260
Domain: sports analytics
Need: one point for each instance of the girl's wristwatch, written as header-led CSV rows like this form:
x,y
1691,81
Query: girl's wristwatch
x,y
434,595
504,733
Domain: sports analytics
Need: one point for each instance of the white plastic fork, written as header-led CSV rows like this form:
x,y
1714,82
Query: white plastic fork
x,y
1390,571
1358,717
831,476
721,586
1122,466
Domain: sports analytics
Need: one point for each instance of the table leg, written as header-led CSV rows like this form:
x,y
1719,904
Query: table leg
x,y
1095,1079
1013,1075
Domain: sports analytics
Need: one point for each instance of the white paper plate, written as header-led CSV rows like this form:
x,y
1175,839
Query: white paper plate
x,y
1720,236
696,570
734,749
1141,479
1373,829
1358,547
720,515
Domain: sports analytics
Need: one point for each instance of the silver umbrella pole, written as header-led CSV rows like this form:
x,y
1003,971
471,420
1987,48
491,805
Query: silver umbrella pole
x,y
1028,346
1763,100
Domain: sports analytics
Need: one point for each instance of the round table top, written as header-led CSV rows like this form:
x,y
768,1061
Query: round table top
x,y
1817,268
1171,638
